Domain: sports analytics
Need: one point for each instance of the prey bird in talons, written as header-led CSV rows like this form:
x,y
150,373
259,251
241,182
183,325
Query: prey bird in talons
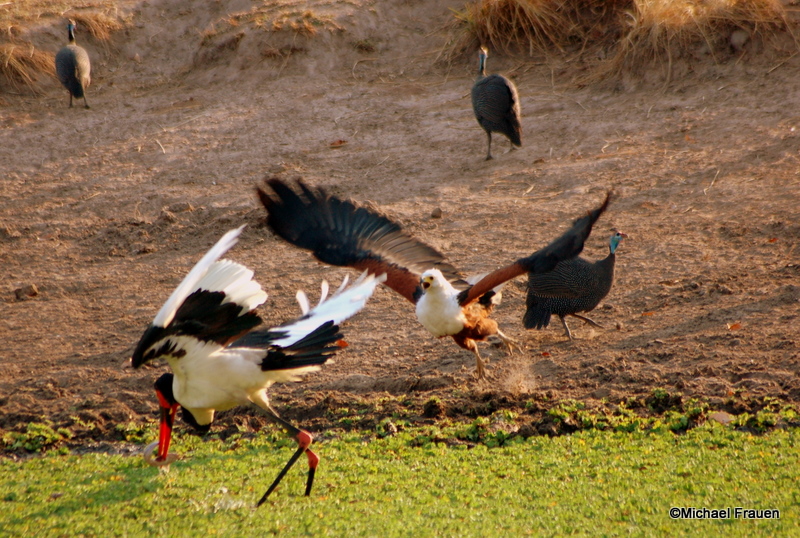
x,y
338,232
205,331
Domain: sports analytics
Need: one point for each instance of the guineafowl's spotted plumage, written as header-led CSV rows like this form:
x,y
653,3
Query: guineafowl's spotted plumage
x,y
575,285
73,68
496,105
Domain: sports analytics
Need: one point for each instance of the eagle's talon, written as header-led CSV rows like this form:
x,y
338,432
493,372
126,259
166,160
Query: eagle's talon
x,y
510,344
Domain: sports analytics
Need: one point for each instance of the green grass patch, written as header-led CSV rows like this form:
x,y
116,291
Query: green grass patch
x,y
591,482
36,438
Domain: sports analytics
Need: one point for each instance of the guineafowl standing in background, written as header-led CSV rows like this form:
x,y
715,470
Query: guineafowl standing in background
x,y
73,67
575,285
496,105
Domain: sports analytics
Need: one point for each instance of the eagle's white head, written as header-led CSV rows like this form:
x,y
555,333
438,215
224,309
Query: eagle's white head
x,y
438,309
433,279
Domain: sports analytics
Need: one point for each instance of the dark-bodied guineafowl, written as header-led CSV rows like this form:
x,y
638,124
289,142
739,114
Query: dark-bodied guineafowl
x,y
496,105
575,285
73,67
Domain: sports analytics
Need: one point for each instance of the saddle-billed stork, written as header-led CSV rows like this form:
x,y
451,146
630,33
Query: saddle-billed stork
x,y
205,333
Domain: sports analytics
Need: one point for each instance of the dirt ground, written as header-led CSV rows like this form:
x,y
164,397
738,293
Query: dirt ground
x,y
105,210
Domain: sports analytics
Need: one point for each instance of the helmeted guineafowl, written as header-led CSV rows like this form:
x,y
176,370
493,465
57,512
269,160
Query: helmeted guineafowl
x,y
496,105
73,67
575,285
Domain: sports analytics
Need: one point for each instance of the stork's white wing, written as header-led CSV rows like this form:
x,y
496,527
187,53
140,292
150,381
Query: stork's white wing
x,y
339,307
167,312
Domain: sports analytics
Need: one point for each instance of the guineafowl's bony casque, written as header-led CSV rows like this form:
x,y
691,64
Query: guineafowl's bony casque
x,y
575,285
73,67
496,105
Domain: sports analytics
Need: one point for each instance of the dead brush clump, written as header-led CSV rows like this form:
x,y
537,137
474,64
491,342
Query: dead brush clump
x,y
662,30
631,32
510,25
295,19
303,17
21,64
99,25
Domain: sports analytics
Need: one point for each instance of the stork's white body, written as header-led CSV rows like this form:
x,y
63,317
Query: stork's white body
x,y
210,376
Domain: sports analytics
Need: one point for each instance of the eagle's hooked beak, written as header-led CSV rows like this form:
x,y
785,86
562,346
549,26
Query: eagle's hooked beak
x,y
426,282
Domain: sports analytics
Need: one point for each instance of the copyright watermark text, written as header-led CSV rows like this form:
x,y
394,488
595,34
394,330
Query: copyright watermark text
x,y
689,512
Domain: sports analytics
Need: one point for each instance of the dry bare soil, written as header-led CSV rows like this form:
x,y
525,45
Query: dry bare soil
x,y
105,210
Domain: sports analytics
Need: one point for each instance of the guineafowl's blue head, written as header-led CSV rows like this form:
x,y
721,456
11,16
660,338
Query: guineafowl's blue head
x,y
615,241
71,29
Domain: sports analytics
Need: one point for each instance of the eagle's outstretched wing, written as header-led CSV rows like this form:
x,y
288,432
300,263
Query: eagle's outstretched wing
x,y
340,233
569,245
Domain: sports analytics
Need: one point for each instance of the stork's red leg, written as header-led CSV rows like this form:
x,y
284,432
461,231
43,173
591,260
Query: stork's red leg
x,y
304,440
313,461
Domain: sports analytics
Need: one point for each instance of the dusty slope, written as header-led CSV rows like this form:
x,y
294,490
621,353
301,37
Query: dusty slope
x,y
105,211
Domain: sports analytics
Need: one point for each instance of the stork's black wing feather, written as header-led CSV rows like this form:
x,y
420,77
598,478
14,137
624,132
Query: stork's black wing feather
x,y
204,316
314,348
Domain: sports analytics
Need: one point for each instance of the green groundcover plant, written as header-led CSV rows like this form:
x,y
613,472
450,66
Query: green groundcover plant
x,y
590,482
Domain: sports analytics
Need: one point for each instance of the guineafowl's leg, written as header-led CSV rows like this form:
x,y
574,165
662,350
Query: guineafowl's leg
x,y
85,102
589,321
566,327
489,150
70,99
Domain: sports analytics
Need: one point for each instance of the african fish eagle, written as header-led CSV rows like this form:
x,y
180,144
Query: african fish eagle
x,y
339,232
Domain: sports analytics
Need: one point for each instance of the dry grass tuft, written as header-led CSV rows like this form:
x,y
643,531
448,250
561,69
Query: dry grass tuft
x,y
665,29
295,17
508,25
99,25
635,31
21,64
285,15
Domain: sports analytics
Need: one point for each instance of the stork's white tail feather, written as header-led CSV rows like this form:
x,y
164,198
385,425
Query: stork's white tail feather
x,y
305,304
343,285
302,300
185,288
323,292
342,305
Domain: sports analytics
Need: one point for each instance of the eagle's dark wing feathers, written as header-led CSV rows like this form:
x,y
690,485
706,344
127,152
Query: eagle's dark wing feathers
x,y
340,233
